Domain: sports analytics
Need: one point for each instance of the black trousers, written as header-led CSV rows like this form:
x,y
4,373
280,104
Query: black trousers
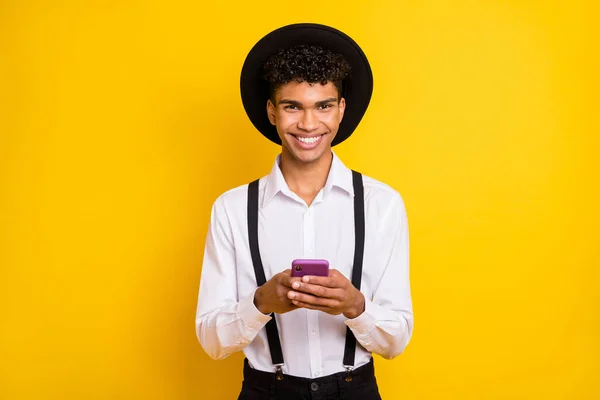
x,y
260,385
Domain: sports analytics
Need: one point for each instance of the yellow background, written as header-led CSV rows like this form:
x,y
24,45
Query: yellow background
x,y
121,122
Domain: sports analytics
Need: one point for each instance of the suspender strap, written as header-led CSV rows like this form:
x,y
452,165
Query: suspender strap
x,y
359,249
271,327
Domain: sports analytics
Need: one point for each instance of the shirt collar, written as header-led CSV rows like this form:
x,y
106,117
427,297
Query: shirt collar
x,y
339,176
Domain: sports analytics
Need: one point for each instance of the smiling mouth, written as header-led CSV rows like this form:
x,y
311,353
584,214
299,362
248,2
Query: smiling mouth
x,y
308,139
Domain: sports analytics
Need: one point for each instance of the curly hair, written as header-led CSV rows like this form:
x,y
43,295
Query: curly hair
x,y
305,63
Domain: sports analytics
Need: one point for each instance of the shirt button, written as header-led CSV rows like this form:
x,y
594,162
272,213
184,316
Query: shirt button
x,y
313,333
314,386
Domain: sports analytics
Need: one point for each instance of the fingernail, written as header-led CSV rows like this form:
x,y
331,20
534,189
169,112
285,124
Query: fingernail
x,y
305,278
295,285
291,295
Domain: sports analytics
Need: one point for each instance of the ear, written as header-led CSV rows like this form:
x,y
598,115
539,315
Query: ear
x,y
342,108
271,111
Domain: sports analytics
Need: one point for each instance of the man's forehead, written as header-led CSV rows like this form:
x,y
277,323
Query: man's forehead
x,y
306,90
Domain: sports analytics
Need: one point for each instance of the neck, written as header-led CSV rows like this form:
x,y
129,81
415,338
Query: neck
x,y
305,179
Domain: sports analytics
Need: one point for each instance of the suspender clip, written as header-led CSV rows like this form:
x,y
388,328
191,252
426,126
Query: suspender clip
x,y
348,374
279,373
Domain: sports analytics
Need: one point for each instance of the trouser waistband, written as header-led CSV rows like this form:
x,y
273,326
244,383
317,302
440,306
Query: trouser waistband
x,y
364,372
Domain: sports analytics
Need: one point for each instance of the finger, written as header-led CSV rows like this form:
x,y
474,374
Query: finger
x,y
287,281
324,281
336,280
334,273
313,300
319,291
318,308
284,276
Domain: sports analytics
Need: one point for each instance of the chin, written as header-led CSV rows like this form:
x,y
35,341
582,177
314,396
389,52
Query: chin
x,y
308,156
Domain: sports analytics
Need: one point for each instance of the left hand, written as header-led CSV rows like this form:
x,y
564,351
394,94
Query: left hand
x,y
333,294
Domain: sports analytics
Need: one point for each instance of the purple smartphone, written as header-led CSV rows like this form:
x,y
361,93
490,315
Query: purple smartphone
x,y
301,267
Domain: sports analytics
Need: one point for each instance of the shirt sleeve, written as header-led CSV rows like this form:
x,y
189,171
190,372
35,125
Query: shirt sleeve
x,y
224,323
386,325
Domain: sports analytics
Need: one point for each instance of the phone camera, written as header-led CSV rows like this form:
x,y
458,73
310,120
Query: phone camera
x,y
298,267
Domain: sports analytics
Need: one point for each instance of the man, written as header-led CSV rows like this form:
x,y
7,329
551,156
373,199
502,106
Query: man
x,y
306,87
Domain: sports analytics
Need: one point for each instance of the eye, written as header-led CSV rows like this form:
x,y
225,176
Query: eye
x,y
324,106
290,107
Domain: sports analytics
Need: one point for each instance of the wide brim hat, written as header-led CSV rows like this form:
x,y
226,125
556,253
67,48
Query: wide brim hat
x,y
357,88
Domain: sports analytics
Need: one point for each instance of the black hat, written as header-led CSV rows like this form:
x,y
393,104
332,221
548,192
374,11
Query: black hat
x,y
357,88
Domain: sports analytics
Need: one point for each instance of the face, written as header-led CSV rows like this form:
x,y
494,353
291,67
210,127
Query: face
x,y
307,118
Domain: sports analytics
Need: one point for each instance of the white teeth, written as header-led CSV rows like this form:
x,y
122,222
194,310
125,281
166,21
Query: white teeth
x,y
309,140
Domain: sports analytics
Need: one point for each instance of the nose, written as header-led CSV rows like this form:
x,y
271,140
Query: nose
x,y
309,121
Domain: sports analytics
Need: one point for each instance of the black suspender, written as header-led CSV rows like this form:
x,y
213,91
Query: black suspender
x,y
259,272
359,247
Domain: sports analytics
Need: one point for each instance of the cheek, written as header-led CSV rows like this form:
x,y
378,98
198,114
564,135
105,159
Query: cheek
x,y
287,119
331,119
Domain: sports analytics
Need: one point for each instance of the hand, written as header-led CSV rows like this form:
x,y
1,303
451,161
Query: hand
x,y
333,294
272,296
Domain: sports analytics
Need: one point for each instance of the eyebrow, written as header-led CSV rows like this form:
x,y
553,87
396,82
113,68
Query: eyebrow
x,y
291,102
297,103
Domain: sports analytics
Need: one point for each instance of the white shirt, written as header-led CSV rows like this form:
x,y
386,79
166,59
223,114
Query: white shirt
x,y
312,341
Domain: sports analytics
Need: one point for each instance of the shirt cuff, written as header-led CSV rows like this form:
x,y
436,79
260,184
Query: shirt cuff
x,y
250,315
366,321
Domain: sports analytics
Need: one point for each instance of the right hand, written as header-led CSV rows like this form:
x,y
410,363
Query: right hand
x,y
272,297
